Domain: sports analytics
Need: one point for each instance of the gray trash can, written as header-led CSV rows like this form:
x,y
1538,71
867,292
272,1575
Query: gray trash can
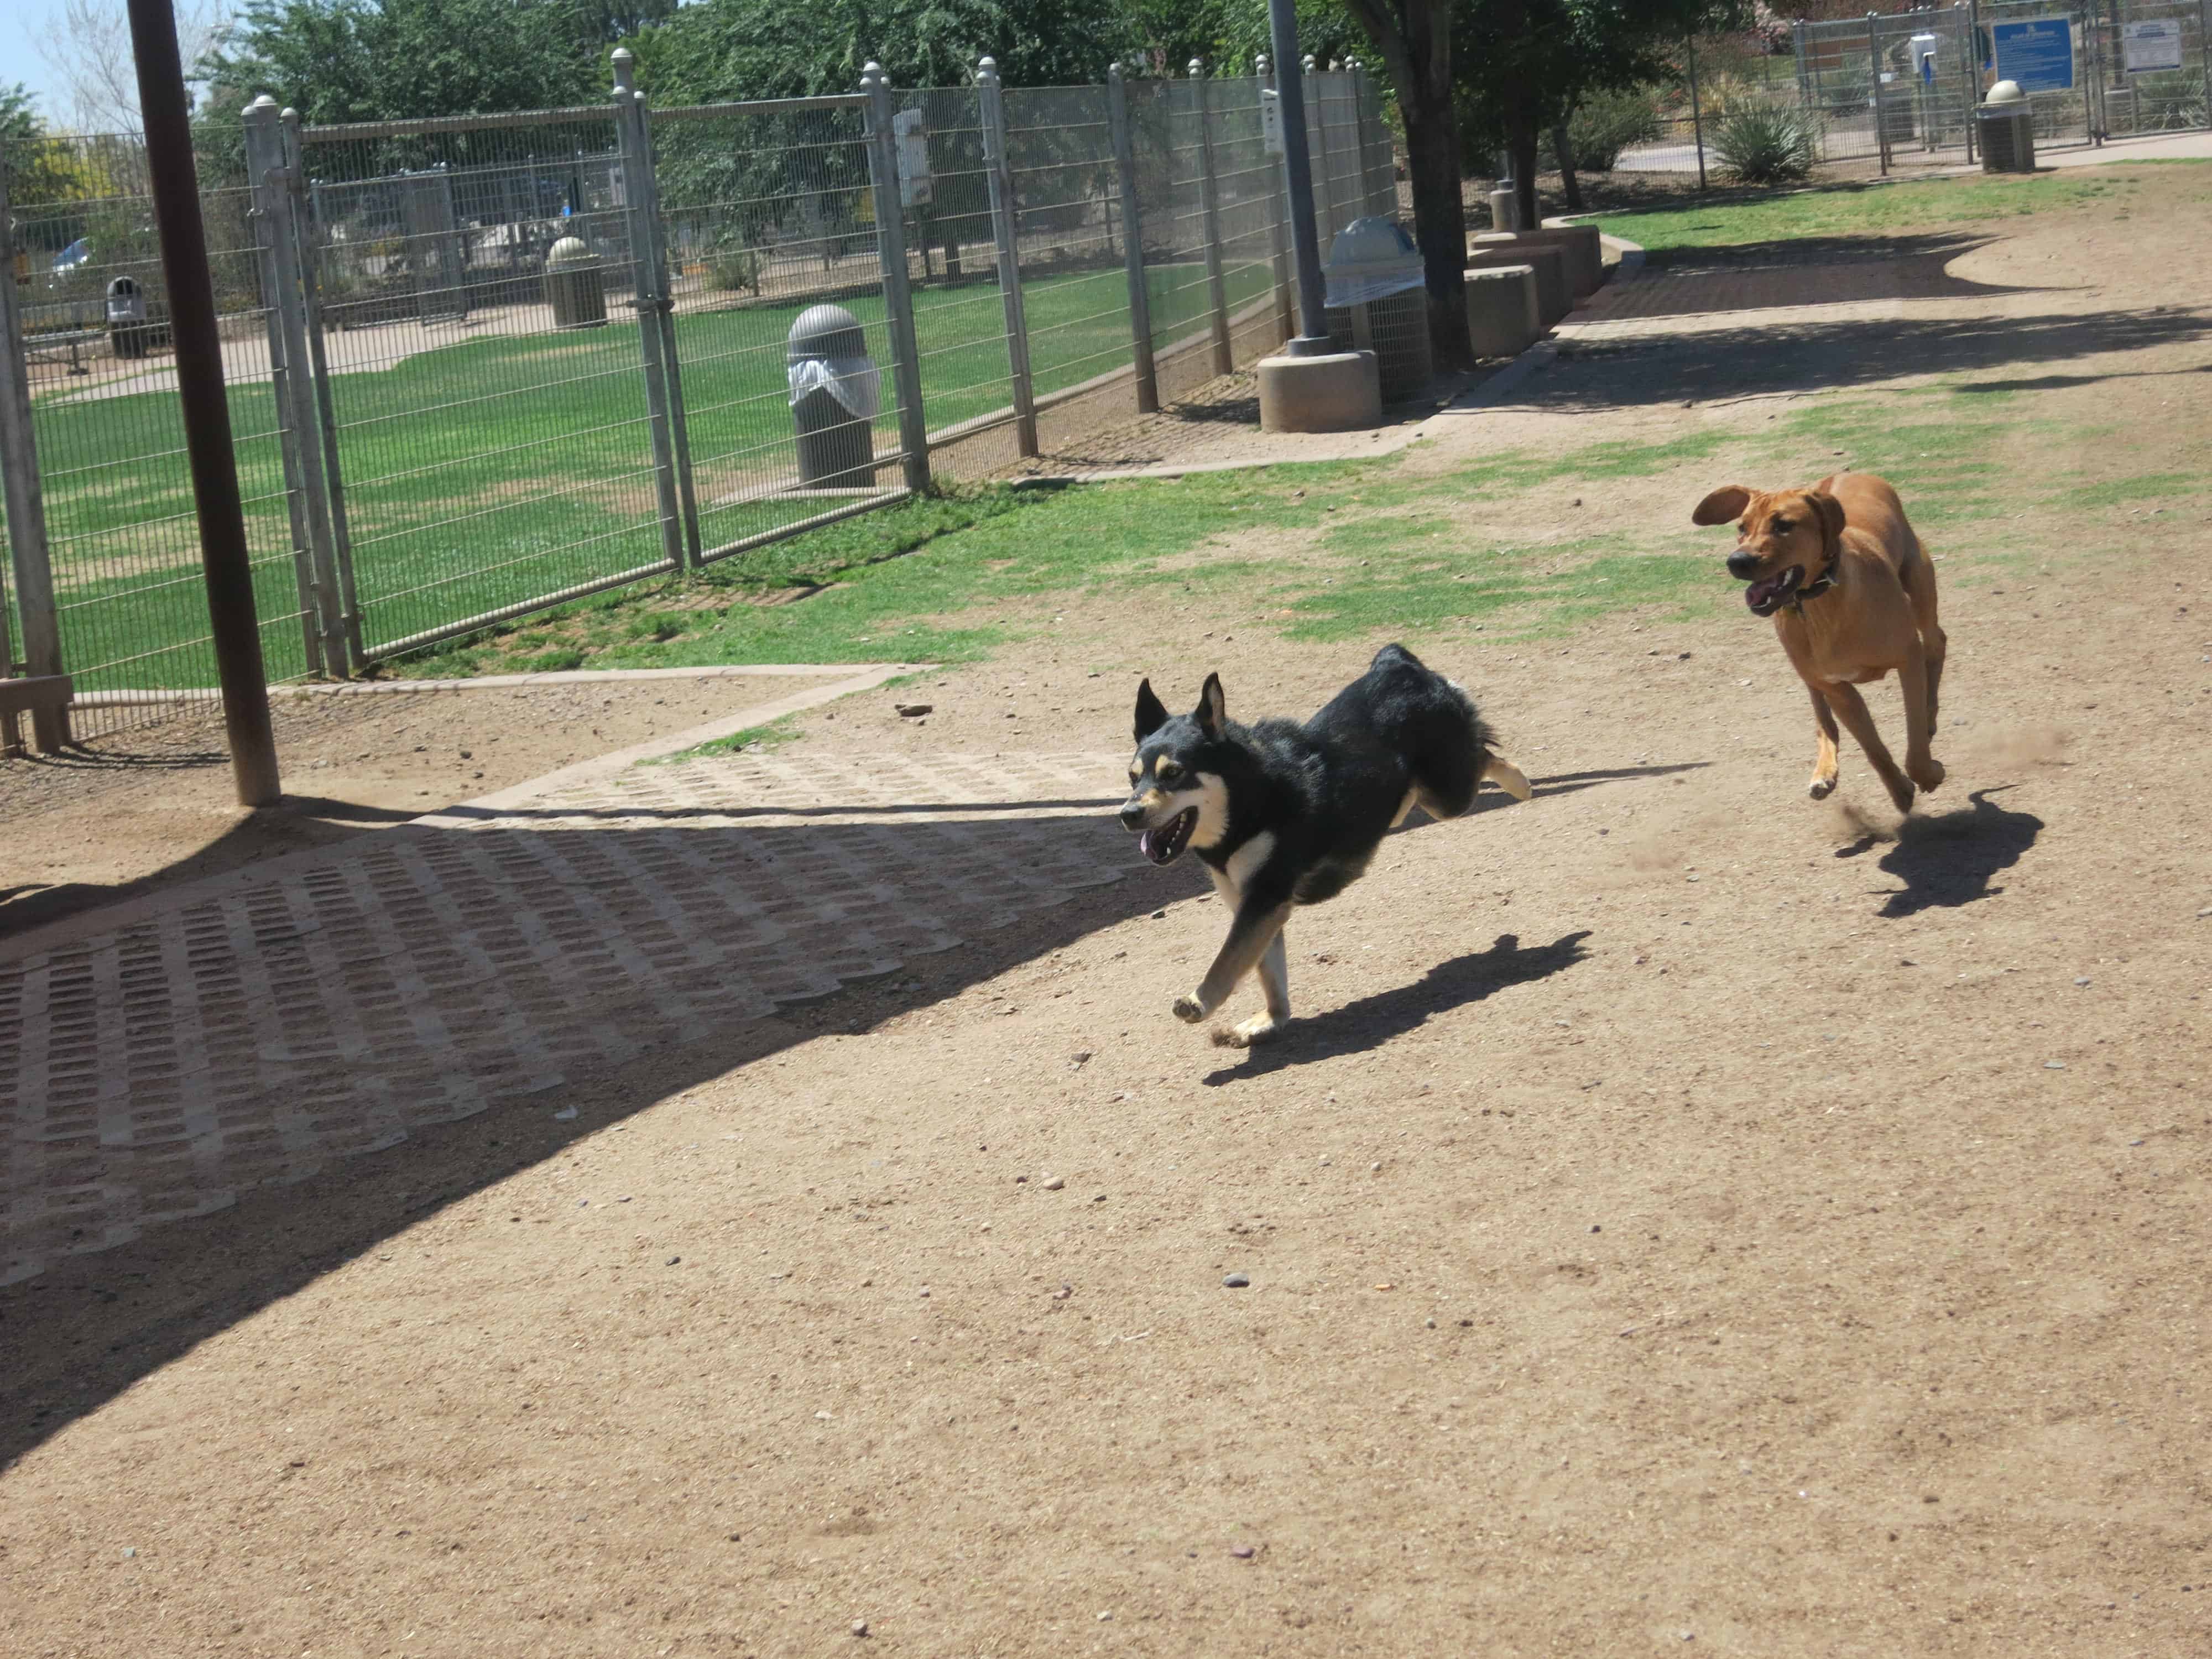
x,y
128,335
835,393
575,285
2006,126
1378,301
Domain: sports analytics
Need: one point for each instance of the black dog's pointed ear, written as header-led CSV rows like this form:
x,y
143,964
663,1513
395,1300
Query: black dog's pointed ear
x,y
1212,707
1723,506
1152,713
1830,512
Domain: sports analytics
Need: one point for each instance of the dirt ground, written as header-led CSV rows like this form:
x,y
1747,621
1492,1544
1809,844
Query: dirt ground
x,y
1686,1217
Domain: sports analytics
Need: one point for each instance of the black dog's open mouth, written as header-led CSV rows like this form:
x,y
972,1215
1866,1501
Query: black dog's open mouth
x,y
1164,845
1766,598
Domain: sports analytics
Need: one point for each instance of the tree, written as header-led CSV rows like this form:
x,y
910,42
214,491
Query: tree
x,y
88,46
1415,39
733,50
392,60
1524,65
745,49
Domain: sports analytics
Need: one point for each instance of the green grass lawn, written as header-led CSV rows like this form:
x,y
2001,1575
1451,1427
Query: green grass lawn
x,y
1357,549
499,468
1875,209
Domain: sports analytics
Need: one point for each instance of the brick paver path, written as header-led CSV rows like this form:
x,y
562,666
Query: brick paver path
x,y
250,1028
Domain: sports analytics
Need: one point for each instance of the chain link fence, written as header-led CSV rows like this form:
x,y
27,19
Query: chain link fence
x,y
1899,89
102,536
485,364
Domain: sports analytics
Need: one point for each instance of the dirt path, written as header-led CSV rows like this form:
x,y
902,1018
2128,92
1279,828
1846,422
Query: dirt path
x,y
1686,1219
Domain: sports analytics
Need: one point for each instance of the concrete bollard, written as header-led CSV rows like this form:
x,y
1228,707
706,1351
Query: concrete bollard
x,y
1585,253
1555,296
1341,391
1578,245
1505,210
1501,319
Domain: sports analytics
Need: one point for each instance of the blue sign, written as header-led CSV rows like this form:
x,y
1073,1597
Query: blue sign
x,y
2037,55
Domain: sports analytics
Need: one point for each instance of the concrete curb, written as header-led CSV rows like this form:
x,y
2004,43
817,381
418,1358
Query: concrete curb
x,y
509,682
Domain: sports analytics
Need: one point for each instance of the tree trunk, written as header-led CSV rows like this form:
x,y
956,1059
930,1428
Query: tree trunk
x,y
1569,186
1440,230
1414,37
1521,136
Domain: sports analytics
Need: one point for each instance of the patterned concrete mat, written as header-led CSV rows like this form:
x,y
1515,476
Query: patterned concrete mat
x,y
246,1031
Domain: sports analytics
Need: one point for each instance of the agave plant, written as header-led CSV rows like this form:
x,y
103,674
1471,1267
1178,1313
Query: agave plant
x,y
1767,141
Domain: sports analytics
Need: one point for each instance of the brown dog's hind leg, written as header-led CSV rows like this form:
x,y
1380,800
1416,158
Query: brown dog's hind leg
x,y
1922,767
1919,577
1824,758
1851,708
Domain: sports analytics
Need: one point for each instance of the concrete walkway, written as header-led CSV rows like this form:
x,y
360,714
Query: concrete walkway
x,y
158,1060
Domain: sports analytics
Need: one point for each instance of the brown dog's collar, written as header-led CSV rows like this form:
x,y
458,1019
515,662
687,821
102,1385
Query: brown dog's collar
x,y
1814,589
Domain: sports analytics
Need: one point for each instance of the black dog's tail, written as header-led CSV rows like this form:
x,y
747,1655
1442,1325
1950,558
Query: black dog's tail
x,y
1446,744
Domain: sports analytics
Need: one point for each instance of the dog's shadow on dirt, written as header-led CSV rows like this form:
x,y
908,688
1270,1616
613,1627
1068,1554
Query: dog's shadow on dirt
x,y
1373,1021
1948,860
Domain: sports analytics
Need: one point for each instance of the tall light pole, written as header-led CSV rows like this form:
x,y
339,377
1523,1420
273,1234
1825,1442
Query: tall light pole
x,y
232,617
1312,339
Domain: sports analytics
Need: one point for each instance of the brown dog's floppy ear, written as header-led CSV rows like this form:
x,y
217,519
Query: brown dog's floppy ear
x,y
1152,713
1830,512
1212,707
1723,506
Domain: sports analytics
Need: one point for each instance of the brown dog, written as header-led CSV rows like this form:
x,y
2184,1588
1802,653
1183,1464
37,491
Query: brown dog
x,y
1853,596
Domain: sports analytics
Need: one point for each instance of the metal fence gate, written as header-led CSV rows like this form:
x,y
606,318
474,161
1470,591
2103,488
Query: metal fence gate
x,y
485,364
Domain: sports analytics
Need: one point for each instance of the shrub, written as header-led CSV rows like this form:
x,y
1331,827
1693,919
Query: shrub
x,y
1767,143
1604,125
2169,103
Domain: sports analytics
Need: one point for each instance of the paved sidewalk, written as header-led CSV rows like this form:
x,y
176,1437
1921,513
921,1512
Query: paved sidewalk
x,y
251,1029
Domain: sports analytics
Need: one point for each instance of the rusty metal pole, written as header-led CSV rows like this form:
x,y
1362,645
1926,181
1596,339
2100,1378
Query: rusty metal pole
x,y
199,350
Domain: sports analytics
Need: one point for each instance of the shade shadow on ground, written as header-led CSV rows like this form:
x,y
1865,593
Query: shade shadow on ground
x,y
91,1325
1803,357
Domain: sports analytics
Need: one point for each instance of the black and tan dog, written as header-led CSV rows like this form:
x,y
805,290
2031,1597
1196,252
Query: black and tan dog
x,y
1853,596
1285,814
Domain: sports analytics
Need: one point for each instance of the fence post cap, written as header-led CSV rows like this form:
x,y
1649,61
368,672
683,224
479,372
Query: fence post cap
x,y
1197,69
625,62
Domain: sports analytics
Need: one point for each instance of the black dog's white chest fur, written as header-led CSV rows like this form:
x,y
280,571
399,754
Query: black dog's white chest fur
x,y
1285,813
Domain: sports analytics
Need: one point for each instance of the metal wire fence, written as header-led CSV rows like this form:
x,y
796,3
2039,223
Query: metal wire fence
x,y
481,364
110,542
1900,89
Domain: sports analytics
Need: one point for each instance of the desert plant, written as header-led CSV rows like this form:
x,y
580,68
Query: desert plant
x,y
732,267
1607,124
2169,103
1767,143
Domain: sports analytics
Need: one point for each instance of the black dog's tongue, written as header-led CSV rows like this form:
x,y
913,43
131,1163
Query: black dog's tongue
x,y
1150,842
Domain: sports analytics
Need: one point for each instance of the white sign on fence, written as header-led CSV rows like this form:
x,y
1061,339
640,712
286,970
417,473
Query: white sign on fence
x,y
916,187
1271,120
2155,45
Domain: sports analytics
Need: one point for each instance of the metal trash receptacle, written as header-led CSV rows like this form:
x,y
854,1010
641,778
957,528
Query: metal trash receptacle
x,y
1378,301
575,284
128,334
2006,126
836,391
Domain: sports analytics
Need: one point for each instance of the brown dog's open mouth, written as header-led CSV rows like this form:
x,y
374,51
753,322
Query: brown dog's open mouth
x,y
1164,845
1770,594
